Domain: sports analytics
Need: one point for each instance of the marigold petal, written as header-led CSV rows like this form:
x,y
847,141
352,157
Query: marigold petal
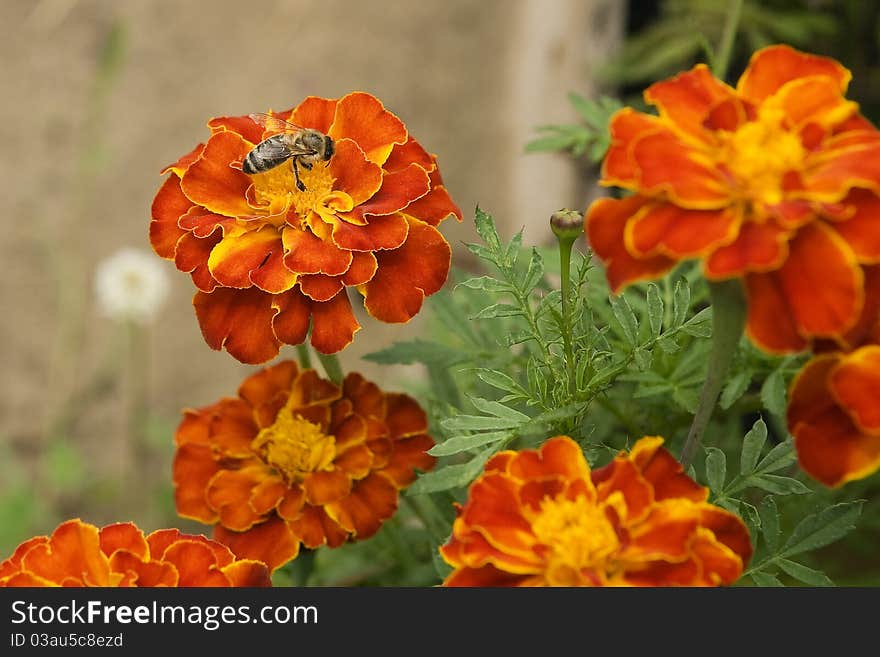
x,y
247,573
408,456
402,155
333,324
385,232
315,528
306,253
351,431
228,493
687,98
855,383
356,461
291,505
729,530
664,534
123,536
234,258
168,206
143,573
372,500
494,511
268,383
624,477
408,274
72,552
192,256
666,229
362,118
770,68
211,182
267,494
315,113
353,173
326,486
319,287
666,165
758,247
839,168
243,126
815,100
363,268
196,564
291,324
861,231
434,207
399,189
770,323
626,125
483,576
271,542
183,163
239,321
605,224
404,416
664,472
559,456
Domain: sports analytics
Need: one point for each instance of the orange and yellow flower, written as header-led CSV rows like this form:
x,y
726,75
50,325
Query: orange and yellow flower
x,y
270,260
774,182
543,518
80,554
295,459
834,401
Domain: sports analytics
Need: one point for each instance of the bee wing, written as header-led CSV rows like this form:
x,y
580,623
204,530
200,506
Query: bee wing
x,y
274,123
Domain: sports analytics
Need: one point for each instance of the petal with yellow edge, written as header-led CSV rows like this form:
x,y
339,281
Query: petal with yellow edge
x,y
772,67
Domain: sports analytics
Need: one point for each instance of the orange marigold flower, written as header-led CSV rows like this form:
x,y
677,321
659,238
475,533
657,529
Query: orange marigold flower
x,y
295,459
774,181
80,554
542,518
267,256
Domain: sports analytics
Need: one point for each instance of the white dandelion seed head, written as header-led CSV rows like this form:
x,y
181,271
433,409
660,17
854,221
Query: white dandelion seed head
x,y
131,285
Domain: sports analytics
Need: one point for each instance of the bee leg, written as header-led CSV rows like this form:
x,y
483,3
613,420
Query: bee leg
x,y
299,183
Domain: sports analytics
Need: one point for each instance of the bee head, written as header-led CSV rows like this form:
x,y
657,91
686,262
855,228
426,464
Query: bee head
x,y
329,147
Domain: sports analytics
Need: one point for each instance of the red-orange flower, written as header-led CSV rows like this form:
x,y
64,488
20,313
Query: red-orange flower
x,y
774,182
268,258
80,554
542,518
295,459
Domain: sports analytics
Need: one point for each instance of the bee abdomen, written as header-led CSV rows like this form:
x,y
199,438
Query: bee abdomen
x,y
253,163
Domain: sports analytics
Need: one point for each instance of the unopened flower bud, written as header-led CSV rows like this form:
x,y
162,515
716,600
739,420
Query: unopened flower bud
x,y
567,224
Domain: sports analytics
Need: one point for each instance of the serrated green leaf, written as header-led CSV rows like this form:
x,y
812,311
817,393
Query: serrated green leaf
x,y
643,358
452,476
734,389
478,423
727,503
753,443
485,226
752,518
716,468
486,283
482,252
417,351
668,344
778,485
781,456
535,271
686,398
820,529
590,111
458,444
769,513
511,253
804,574
553,416
558,140
498,310
773,394
498,410
500,380
681,302
700,325
625,317
655,309
765,579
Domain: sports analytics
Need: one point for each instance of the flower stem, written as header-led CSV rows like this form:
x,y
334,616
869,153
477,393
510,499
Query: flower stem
x,y
305,358
728,320
728,34
331,366
567,225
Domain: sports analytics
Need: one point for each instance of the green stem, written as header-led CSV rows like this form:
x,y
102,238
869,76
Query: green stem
x,y
728,320
304,357
331,366
432,518
565,243
728,35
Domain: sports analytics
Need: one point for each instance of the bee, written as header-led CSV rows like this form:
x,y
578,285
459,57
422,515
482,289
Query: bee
x,y
302,146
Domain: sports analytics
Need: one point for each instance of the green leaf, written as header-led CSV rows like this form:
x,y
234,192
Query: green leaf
x,y
478,423
498,410
803,574
442,568
753,443
735,388
716,468
452,476
655,309
773,394
557,140
778,485
554,416
769,514
820,529
700,325
681,302
764,579
643,358
535,271
668,344
485,226
486,283
501,381
498,310
625,317
781,456
458,444
417,351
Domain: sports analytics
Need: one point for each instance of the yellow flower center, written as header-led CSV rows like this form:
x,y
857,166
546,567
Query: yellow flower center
x,y
580,538
759,154
276,190
294,446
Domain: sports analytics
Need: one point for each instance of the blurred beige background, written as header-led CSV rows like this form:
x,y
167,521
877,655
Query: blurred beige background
x,y
83,150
